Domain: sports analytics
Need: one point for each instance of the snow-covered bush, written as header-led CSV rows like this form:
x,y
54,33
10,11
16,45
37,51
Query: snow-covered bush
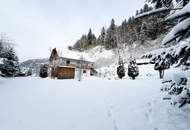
x,y
121,71
177,89
9,68
44,71
178,54
161,65
133,70
9,65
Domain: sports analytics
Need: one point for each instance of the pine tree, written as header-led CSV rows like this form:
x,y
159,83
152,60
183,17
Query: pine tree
x,y
137,12
91,38
1,48
123,31
120,68
121,71
181,30
142,36
111,38
145,8
176,87
10,65
81,44
133,70
102,37
162,3
131,30
44,71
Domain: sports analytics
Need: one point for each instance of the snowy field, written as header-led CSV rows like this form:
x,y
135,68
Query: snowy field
x,y
93,104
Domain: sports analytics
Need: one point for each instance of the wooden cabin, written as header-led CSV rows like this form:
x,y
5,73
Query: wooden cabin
x,y
66,64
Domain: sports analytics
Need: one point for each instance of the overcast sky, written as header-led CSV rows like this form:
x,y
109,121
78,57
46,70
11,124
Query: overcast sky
x,y
37,25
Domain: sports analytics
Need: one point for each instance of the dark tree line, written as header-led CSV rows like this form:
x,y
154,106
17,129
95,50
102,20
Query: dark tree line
x,y
86,41
131,30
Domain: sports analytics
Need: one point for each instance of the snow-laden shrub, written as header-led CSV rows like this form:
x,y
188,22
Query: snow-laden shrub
x,y
44,71
177,89
178,54
160,66
9,65
133,70
9,68
121,71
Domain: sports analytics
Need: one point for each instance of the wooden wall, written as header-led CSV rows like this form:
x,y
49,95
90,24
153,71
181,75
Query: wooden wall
x,y
63,72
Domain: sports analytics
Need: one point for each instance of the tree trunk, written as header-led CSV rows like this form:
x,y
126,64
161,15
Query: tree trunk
x,y
161,73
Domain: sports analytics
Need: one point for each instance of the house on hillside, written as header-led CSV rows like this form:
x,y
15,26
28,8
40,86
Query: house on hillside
x,y
66,64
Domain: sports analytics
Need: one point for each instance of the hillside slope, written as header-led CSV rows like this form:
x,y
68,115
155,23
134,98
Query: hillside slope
x,y
30,62
103,57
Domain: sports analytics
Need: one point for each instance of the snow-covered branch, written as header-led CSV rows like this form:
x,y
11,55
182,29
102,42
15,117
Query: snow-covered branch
x,y
152,12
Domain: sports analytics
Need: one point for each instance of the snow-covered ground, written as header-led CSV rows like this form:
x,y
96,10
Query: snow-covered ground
x,y
93,104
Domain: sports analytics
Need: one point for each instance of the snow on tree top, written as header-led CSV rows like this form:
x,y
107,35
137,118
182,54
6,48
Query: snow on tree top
x,y
181,12
173,50
163,9
184,25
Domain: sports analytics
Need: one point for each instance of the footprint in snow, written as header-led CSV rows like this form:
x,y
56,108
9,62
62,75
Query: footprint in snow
x,y
146,115
155,101
109,114
150,110
149,104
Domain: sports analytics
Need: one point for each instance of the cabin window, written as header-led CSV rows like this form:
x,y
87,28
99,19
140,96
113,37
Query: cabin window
x,y
68,61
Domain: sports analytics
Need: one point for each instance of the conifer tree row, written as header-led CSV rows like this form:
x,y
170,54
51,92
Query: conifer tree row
x,y
128,32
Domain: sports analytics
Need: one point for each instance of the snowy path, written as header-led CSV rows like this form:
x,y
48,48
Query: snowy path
x,y
93,104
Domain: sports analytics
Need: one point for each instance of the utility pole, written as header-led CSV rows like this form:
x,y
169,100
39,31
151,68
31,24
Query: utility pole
x,y
81,68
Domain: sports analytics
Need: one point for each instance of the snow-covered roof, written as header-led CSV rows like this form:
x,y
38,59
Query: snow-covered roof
x,y
69,54
67,67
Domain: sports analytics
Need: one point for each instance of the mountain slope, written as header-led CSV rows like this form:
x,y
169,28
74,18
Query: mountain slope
x,y
103,57
29,62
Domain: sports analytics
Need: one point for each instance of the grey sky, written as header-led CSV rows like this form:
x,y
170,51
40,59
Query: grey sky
x,y
37,25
